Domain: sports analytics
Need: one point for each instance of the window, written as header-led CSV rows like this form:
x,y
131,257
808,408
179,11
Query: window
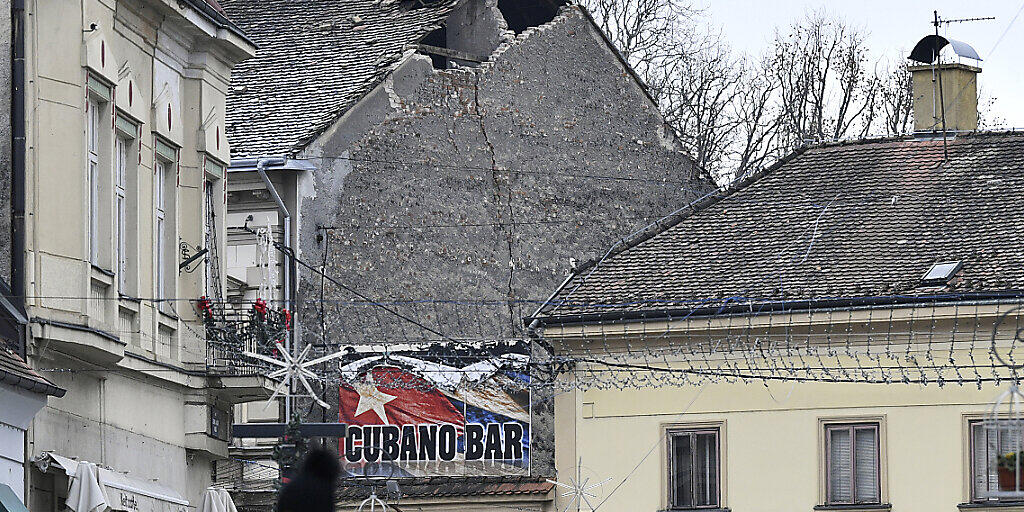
x,y
125,201
213,194
694,468
164,187
97,166
121,210
997,473
160,211
852,464
93,125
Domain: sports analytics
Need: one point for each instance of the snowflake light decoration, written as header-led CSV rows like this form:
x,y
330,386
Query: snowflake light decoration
x,y
294,368
579,489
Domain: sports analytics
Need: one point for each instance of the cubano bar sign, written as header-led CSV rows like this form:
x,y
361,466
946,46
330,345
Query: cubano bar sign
x,y
411,417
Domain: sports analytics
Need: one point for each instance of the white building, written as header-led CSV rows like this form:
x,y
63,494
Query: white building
x,y
124,182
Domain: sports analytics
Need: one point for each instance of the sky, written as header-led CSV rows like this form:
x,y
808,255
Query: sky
x,y
892,28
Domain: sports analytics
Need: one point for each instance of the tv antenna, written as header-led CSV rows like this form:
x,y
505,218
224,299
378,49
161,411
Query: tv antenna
x,y
942,101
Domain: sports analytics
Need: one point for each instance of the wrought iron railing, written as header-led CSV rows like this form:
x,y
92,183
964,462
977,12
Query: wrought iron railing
x,y
233,331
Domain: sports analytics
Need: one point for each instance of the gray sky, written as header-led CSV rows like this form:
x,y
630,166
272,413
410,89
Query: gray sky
x,y
893,27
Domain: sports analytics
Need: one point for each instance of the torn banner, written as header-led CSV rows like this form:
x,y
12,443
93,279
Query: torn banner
x,y
410,417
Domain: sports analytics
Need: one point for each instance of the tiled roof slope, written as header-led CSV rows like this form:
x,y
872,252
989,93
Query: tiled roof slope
x,y
850,220
314,60
441,487
14,371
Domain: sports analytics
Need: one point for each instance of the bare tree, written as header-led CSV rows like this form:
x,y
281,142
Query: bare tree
x,y
646,32
758,120
698,98
896,98
817,82
828,89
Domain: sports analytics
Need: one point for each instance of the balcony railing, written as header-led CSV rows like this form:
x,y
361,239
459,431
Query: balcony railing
x,y
231,331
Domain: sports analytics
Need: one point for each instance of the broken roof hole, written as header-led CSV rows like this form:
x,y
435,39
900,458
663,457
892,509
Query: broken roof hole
x,y
523,14
436,39
940,273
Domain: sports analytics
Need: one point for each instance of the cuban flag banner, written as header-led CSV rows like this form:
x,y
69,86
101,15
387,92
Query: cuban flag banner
x,y
409,417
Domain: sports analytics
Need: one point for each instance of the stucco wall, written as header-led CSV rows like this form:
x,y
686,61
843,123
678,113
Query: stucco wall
x,y
436,180
771,440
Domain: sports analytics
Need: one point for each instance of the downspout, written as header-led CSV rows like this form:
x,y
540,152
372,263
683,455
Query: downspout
x,y
261,168
18,162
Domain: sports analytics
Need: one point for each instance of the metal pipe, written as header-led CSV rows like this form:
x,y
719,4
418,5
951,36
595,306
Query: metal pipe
x,y
261,168
18,189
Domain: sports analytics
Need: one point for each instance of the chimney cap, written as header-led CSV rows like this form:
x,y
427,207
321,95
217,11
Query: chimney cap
x,y
928,48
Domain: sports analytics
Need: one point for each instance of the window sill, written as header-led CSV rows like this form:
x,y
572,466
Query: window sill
x,y
992,505
856,508
168,319
102,276
130,303
101,270
696,509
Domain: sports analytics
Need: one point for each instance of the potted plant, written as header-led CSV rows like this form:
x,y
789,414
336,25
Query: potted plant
x,y
1011,476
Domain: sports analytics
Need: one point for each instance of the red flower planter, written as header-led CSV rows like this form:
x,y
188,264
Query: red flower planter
x,y
1006,480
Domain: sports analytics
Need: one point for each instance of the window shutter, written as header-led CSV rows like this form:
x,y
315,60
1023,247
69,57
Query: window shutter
x,y
840,467
866,453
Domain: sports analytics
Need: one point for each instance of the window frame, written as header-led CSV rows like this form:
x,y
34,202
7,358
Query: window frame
x,y
214,175
121,145
99,96
979,422
852,426
165,172
692,430
92,144
125,187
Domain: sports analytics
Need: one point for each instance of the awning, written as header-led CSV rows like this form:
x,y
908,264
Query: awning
x,y
9,501
217,499
123,492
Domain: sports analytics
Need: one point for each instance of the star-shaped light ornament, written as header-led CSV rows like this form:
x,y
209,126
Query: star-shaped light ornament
x,y
580,490
294,367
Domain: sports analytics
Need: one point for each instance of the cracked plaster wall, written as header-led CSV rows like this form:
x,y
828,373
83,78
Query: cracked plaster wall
x,y
494,164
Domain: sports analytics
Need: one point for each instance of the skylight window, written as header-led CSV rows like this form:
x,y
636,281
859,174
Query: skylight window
x,y
940,273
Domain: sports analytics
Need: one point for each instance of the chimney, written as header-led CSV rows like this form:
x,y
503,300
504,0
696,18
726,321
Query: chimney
x,y
959,96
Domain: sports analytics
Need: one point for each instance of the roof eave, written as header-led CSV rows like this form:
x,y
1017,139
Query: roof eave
x,y
732,307
33,385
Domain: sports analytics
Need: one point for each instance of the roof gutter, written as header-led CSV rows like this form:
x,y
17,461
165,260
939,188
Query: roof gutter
x,y
290,273
218,19
730,307
32,385
16,304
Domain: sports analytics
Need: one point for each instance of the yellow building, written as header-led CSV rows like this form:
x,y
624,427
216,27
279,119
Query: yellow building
x,y
832,333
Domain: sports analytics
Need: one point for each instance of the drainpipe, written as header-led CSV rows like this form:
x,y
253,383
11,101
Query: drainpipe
x,y
18,162
261,168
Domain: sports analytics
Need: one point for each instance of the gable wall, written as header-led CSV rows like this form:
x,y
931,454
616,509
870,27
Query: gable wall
x,y
508,143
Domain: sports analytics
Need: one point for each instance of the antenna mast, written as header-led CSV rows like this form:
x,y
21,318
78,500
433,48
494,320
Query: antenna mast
x,y
936,66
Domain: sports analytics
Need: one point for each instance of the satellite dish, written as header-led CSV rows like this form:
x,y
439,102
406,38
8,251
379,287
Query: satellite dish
x,y
928,48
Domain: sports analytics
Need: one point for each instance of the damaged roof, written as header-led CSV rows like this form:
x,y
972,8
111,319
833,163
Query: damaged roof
x,y
14,371
282,98
865,219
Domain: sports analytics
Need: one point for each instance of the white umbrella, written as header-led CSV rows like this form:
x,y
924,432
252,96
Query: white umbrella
x,y
86,494
217,499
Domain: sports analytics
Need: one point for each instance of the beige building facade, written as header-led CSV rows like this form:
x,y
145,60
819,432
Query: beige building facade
x,y
126,181
840,331
773,444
